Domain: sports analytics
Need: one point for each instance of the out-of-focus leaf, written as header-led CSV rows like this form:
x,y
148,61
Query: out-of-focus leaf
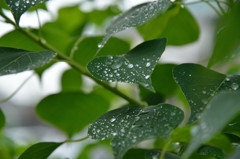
x,y
235,155
134,17
135,66
40,150
18,7
2,120
184,135
131,125
198,84
16,60
208,152
221,109
177,25
17,39
234,70
7,148
71,111
71,80
135,153
86,48
227,44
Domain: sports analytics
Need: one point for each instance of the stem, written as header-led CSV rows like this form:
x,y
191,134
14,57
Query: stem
x,y
16,91
219,5
39,23
165,149
78,140
74,64
213,7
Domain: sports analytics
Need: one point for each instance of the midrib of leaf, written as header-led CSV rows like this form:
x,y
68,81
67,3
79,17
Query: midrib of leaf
x,y
16,60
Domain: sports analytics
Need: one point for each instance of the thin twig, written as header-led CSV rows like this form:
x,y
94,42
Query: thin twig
x,y
78,140
39,23
164,150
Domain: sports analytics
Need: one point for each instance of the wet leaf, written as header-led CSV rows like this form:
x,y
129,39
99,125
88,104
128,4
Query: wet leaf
x,y
198,84
134,67
209,151
164,25
134,17
86,48
221,109
131,125
40,150
71,80
18,7
15,60
2,120
71,111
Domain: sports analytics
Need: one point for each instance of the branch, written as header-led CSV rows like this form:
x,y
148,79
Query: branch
x,y
73,63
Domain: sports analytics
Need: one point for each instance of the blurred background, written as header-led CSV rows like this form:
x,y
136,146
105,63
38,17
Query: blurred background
x,y
24,127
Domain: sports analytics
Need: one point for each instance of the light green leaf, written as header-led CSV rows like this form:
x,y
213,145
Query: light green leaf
x,y
134,17
71,111
131,125
18,7
134,67
164,25
40,150
16,60
221,109
71,80
17,39
198,84
2,120
86,48
227,46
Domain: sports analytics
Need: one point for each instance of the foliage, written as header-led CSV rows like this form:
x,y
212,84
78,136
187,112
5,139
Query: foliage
x,y
166,93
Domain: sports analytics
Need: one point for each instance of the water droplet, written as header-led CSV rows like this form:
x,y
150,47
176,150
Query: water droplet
x,y
204,101
148,64
114,134
147,77
227,79
234,86
130,65
100,45
204,92
113,119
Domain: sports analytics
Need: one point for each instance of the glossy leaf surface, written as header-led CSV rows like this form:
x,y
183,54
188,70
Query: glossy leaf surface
x,y
71,111
221,109
16,60
134,17
198,84
131,125
18,7
40,150
134,67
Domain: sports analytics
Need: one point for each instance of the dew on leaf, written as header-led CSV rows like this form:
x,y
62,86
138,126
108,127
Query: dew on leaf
x,y
148,64
234,86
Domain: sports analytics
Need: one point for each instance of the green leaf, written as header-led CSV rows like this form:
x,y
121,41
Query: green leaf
x,y
221,109
131,125
198,84
209,151
134,17
71,80
19,40
134,67
86,48
18,7
40,150
2,120
164,25
16,60
228,39
71,111
155,154
135,153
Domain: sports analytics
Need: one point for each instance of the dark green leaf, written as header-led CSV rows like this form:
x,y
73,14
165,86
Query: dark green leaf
x,y
18,7
221,109
40,150
135,153
71,111
2,119
177,25
16,60
71,80
131,125
17,39
134,17
155,154
86,48
227,45
198,84
134,67
210,151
